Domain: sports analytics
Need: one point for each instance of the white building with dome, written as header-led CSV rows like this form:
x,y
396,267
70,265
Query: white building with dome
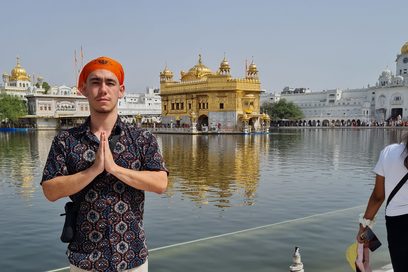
x,y
19,83
386,101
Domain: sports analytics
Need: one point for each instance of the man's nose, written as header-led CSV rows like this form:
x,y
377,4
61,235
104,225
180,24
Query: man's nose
x,y
103,88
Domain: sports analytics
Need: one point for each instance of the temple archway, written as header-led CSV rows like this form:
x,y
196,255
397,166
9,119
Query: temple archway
x,y
202,121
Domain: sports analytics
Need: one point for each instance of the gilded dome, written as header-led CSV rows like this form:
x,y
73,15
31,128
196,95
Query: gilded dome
x,y
224,64
166,75
19,73
404,48
166,72
197,72
252,68
224,67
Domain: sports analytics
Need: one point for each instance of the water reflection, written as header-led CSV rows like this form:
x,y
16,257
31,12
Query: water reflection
x,y
17,163
22,154
222,170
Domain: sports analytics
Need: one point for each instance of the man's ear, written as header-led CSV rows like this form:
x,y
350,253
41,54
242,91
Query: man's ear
x,y
122,91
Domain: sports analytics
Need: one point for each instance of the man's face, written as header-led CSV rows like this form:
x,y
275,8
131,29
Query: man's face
x,y
103,91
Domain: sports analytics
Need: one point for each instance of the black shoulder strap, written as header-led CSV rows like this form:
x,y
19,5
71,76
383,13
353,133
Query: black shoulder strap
x,y
396,189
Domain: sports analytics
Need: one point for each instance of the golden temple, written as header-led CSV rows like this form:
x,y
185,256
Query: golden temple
x,y
206,100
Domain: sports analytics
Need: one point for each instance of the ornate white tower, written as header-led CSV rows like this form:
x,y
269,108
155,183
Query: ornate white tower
x,y
402,62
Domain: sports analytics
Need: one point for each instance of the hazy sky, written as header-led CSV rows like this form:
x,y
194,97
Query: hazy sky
x,y
319,44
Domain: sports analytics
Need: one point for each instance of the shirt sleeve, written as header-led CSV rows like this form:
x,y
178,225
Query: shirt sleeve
x,y
55,165
379,167
152,158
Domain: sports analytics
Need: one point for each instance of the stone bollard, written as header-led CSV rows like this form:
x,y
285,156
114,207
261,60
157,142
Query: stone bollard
x,y
297,265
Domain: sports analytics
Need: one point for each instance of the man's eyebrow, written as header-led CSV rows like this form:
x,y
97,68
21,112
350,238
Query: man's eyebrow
x,y
95,78
111,80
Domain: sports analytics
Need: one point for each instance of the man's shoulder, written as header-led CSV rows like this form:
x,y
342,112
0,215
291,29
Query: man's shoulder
x,y
64,134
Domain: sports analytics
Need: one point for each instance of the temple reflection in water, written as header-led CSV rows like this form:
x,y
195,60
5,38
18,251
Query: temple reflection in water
x,y
17,161
220,170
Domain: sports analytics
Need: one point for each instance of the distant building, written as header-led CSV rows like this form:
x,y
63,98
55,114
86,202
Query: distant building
x,y
65,106
18,83
62,107
387,101
204,99
147,104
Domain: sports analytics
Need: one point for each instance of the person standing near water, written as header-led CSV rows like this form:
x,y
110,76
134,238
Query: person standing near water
x,y
391,169
105,166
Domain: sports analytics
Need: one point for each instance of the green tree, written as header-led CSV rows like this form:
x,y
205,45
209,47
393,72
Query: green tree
x,y
11,108
282,110
45,85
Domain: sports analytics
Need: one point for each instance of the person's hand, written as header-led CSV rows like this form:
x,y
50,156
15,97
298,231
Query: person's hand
x,y
99,163
108,157
360,231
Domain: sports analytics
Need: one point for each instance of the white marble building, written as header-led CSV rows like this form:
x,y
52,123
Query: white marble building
x,y
147,104
64,106
386,101
18,83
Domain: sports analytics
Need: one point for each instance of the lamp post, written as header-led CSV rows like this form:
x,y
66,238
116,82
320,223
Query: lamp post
x,y
245,119
266,122
138,120
193,118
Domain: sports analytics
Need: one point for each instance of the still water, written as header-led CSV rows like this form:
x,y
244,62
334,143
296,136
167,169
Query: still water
x,y
293,187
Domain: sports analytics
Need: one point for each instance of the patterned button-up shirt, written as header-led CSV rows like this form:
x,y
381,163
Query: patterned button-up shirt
x,y
109,227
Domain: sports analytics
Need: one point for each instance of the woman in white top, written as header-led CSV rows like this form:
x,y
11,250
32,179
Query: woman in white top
x,y
391,167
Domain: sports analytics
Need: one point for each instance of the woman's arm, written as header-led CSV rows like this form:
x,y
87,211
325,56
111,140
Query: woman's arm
x,y
374,203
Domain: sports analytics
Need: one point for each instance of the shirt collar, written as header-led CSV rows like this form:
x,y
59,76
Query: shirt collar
x,y
85,128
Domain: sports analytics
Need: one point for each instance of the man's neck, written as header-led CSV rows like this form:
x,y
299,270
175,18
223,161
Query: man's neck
x,y
103,122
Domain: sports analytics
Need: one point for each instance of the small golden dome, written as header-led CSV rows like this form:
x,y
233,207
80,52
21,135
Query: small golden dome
x,y
197,72
404,48
252,68
167,73
224,67
19,73
224,64
265,116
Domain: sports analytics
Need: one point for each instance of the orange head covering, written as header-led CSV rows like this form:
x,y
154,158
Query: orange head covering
x,y
103,63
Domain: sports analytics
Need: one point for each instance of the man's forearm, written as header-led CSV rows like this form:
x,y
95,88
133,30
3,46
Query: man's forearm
x,y
63,186
151,181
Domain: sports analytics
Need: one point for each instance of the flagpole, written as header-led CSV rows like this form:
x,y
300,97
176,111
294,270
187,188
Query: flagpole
x,y
75,67
82,58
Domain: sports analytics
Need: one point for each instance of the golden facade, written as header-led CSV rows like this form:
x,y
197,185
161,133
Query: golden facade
x,y
204,99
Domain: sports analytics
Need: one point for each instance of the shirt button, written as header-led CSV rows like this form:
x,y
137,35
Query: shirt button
x,y
108,201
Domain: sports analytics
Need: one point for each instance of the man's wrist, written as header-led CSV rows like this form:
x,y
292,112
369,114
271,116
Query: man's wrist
x,y
92,172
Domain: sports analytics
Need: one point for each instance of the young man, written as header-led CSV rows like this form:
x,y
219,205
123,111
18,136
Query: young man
x,y
105,166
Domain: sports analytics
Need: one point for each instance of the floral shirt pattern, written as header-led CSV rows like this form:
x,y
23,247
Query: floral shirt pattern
x,y
109,228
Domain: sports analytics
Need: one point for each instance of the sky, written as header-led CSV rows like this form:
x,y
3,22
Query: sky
x,y
317,44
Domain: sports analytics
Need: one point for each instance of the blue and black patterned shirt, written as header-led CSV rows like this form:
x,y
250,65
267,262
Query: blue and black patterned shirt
x,y
109,228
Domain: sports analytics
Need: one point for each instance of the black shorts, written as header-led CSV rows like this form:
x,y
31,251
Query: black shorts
x,y
397,235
